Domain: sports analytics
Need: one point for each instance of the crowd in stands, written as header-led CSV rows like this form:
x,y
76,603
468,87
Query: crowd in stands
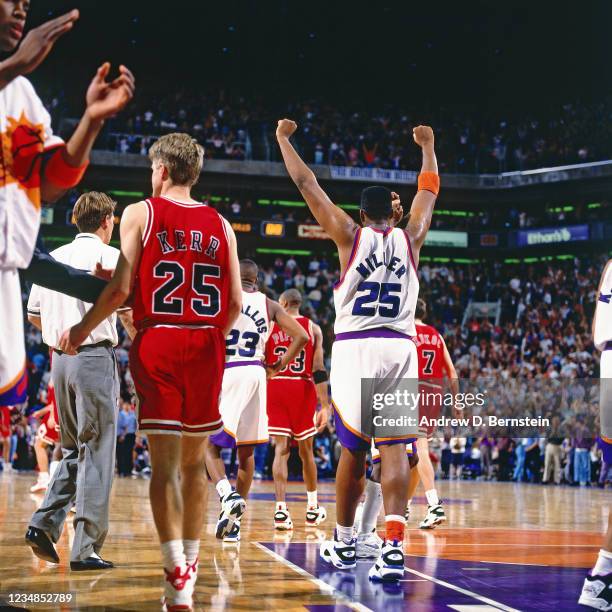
x,y
495,218
538,353
239,127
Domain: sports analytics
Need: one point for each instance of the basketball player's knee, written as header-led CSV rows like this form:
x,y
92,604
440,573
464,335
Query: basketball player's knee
x,y
305,449
282,447
245,455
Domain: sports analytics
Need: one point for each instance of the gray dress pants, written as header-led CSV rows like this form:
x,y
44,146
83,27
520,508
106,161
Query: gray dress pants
x,y
86,391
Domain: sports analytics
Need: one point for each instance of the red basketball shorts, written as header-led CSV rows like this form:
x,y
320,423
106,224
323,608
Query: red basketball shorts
x,y
292,404
48,434
5,422
178,374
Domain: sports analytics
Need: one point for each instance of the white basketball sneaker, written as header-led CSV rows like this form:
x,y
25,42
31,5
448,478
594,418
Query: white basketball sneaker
x,y
435,515
368,545
340,554
233,536
315,515
178,589
232,509
41,484
597,592
389,566
282,520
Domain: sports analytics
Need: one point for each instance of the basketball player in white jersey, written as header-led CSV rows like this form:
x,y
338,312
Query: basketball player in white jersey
x,y
375,300
243,396
36,165
597,589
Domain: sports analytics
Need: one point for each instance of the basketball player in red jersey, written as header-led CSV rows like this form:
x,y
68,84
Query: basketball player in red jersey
x,y
434,364
5,437
47,435
179,261
292,410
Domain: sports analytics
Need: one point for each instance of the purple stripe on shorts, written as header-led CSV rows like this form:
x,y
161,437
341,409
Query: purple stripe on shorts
x,y
378,332
236,364
223,440
347,438
608,346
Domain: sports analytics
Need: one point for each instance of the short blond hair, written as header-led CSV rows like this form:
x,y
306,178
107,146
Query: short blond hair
x,y
182,155
91,209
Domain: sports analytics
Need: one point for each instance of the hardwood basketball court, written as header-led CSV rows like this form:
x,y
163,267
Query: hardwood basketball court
x,y
504,547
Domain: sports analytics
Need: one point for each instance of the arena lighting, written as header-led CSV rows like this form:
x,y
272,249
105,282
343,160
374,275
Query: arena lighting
x,y
127,194
266,251
454,213
594,205
298,204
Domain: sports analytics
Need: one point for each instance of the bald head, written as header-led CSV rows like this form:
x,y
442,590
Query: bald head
x,y
290,299
248,271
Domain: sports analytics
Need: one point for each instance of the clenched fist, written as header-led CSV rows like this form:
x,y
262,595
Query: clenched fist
x,y
285,128
423,135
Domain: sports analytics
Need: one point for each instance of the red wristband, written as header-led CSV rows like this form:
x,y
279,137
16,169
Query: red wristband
x,y
429,181
60,173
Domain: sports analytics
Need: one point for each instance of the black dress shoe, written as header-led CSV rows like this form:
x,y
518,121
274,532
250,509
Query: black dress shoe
x,y
41,545
89,564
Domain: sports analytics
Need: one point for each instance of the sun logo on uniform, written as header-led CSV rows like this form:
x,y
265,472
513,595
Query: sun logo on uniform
x,y
22,148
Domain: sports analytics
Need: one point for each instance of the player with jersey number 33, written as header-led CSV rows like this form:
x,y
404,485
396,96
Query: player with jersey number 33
x,y
375,302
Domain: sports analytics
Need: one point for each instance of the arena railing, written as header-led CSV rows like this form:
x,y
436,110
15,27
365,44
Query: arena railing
x,y
506,180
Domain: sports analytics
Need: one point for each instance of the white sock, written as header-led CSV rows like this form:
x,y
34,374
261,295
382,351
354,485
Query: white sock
x,y
345,534
603,565
408,503
223,487
52,468
312,498
43,476
371,506
173,554
432,497
192,550
281,506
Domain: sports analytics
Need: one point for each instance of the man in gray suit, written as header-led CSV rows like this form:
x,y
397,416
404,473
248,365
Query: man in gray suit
x,y
87,391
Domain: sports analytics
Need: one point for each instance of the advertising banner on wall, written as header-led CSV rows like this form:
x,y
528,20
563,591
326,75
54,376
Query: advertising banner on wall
x,y
552,235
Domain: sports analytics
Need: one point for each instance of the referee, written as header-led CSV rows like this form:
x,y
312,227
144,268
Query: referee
x,y
87,390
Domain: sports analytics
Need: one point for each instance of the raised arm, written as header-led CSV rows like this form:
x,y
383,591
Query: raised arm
x,y
428,186
338,225
104,99
319,375
292,328
120,286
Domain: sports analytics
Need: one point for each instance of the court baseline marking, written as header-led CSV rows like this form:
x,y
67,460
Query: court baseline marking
x,y
323,586
360,607
448,585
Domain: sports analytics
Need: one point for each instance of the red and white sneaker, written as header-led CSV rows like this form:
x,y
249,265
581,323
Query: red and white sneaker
x,y
315,515
179,588
282,520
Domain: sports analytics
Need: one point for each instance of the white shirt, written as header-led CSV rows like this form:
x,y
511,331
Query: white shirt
x,y
57,311
602,328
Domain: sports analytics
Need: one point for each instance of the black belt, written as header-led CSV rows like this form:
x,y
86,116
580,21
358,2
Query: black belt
x,y
103,343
